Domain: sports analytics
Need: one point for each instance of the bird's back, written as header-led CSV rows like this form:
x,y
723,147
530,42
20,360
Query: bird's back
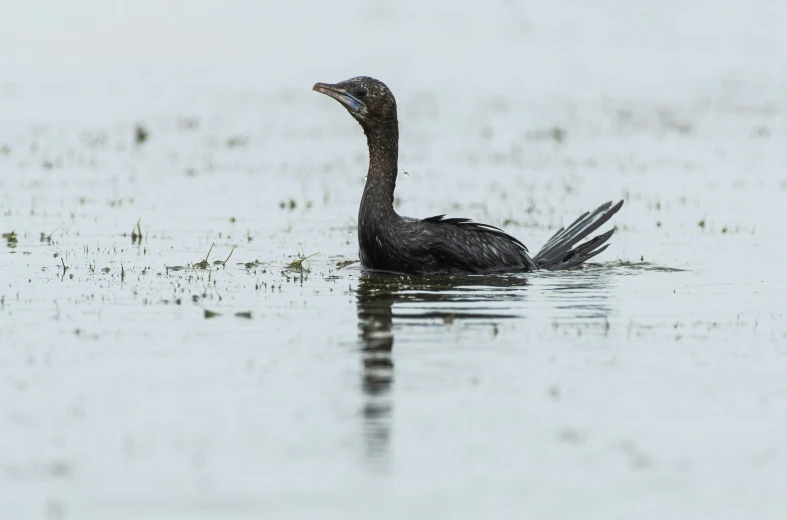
x,y
438,244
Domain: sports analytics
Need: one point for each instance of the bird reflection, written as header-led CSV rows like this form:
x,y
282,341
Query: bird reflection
x,y
429,300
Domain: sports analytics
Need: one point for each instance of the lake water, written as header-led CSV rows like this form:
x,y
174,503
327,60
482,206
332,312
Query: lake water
x,y
164,353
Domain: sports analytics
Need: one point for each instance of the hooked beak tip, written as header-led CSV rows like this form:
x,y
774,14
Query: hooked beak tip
x,y
339,94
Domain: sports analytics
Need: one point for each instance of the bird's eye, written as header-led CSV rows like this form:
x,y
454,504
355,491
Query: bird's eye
x,y
360,92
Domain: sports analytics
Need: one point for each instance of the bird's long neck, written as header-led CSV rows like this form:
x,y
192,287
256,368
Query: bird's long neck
x,y
383,141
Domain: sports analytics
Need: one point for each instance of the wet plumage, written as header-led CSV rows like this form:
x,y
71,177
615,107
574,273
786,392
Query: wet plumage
x,y
390,242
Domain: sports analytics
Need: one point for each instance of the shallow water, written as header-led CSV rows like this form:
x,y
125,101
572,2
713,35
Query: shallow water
x,y
136,381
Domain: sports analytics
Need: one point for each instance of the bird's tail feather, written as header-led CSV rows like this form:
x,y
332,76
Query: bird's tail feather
x,y
559,252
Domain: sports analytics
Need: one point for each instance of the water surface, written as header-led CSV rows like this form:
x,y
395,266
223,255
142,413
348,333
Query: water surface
x,y
193,370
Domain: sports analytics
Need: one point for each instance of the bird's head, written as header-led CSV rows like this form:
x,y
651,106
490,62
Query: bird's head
x,y
368,100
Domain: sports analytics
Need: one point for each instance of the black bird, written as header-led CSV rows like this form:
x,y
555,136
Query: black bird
x,y
390,242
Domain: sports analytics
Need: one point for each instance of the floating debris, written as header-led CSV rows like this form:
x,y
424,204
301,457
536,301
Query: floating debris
x,y
204,263
555,133
136,234
210,314
236,141
11,239
141,134
224,262
297,264
291,204
252,265
228,256
244,314
345,263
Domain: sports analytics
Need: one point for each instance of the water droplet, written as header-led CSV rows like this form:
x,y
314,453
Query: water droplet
x,y
404,172
365,177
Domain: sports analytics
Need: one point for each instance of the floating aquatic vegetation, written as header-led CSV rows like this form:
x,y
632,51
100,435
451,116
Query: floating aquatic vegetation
x,y
136,233
555,133
141,134
203,264
252,265
224,262
297,264
345,263
11,239
237,141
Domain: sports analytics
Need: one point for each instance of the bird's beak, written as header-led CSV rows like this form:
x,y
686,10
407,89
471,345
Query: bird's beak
x,y
350,102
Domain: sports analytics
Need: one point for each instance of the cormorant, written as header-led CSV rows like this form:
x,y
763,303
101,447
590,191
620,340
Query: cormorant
x,y
390,242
